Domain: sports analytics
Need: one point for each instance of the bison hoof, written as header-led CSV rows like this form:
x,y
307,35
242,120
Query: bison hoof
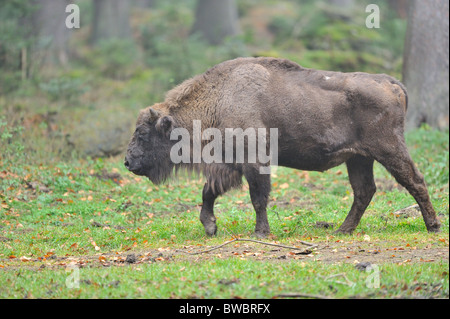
x,y
260,234
345,231
211,230
434,229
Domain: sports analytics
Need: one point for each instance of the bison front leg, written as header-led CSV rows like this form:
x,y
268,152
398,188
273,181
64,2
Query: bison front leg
x,y
207,213
259,186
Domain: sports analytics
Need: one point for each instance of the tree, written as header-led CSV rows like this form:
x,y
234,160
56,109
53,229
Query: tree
x,y
111,20
426,63
216,19
50,30
144,3
342,3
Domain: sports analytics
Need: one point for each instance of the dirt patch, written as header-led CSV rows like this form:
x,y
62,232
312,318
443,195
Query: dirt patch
x,y
325,252
293,202
356,253
331,252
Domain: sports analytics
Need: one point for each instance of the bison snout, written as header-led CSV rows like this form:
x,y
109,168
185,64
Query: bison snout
x,y
128,165
133,166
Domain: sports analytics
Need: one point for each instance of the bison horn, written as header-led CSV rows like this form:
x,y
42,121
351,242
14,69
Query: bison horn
x,y
153,114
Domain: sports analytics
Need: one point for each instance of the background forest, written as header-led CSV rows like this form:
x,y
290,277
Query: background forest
x,y
76,92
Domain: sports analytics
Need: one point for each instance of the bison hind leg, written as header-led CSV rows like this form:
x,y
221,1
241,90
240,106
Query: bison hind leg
x,y
400,164
259,187
360,173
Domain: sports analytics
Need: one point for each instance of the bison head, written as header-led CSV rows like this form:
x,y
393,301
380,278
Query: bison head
x,y
148,152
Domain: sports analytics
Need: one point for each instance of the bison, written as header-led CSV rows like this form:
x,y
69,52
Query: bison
x,y
322,119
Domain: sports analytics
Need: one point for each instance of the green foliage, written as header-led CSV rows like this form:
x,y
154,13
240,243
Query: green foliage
x,y
340,38
115,58
11,145
63,88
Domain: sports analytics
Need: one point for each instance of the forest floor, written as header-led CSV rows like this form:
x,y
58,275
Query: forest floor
x,y
90,229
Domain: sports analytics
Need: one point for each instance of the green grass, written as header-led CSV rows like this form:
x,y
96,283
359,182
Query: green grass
x,y
93,213
229,278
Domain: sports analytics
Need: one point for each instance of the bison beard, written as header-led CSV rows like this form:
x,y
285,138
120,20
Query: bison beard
x,y
323,119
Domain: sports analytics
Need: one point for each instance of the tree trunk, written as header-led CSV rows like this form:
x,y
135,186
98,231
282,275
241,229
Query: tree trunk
x,y
50,29
144,3
216,19
111,20
426,63
342,3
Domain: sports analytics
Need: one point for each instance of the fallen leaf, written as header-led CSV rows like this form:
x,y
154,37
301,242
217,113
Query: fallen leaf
x,y
284,185
95,245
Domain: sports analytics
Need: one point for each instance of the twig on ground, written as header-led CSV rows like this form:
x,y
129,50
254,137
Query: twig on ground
x,y
251,240
406,208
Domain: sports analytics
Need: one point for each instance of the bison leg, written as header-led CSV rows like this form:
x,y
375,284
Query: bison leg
x,y
259,186
207,213
399,163
212,190
360,173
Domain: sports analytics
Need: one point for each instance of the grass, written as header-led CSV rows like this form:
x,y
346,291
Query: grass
x,y
230,278
92,214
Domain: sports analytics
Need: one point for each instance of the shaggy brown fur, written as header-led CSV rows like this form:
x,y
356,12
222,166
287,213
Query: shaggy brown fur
x,y
323,119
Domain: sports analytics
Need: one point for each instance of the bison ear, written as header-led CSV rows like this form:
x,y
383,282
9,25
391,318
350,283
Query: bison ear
x,y
165,124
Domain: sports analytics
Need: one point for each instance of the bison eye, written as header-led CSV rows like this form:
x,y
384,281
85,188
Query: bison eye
x,y
143,138
142,134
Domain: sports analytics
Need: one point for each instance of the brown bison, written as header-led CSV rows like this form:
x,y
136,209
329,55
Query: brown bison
x,y
321,119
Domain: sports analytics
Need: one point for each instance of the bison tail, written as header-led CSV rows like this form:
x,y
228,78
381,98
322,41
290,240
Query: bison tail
x,y
405,92
404,96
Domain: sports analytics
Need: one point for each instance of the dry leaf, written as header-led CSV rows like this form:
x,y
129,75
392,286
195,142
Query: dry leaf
x,y
95,245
